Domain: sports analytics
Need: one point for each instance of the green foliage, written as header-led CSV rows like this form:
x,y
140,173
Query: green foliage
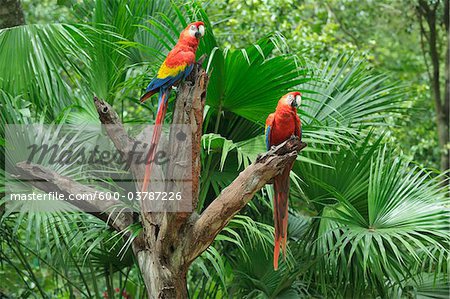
x,y
39,68
385,33
362,222
47,11
378,218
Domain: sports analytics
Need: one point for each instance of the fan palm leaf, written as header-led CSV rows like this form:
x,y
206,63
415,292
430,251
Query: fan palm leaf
x,y
379,217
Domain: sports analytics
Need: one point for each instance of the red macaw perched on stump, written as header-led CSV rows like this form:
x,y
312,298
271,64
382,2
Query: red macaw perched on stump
x,y
280,126
176,67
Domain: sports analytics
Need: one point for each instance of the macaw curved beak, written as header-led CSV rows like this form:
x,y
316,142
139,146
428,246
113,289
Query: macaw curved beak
x,y
198,34
294,104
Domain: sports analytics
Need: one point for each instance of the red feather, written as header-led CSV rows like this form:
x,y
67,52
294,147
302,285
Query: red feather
x,y
280,212
155,139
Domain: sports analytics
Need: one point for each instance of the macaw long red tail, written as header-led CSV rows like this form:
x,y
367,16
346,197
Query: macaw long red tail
x,y
162,108
280,213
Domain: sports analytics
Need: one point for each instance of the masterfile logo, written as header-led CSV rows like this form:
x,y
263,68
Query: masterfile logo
x,y
90,166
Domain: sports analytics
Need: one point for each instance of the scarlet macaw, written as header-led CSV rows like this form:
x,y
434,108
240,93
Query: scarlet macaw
x,y
176,67
280,126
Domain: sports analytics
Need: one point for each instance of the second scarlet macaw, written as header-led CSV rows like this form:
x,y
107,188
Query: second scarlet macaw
x,y
176,67
280,126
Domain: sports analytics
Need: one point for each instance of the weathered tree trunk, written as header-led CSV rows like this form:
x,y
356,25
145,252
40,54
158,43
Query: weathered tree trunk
x,y
11,14
162,280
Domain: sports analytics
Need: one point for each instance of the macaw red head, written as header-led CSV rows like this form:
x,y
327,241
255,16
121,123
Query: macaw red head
x,y
193,31
293,99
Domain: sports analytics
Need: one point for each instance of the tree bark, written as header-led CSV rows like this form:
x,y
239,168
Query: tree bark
x,y
11,14
429,12
170,242
162,280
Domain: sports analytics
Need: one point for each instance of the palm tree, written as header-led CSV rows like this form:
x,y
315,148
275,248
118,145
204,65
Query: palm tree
x,y
364,222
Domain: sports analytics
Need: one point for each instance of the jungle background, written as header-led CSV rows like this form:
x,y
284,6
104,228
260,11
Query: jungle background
x,y
369,198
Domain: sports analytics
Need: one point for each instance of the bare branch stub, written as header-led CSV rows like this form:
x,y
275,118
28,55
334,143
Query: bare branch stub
x,y
118,135
114,127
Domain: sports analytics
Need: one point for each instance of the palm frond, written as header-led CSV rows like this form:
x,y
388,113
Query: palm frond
x,y
378,219
347,93
41,63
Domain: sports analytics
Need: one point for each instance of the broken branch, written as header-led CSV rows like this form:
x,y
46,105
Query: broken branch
x,y
49,181
233,198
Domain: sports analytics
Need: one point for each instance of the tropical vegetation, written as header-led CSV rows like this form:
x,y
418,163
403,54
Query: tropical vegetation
x,y
369,215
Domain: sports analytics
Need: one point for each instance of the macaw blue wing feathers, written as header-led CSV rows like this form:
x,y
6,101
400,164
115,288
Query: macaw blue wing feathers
x,y
165,83
268,137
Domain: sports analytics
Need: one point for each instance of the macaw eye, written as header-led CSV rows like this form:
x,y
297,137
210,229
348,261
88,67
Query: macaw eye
x,y
193,27
201,29
298,100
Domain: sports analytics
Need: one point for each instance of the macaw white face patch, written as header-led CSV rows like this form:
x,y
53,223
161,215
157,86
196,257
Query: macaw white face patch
x,y
289,99
201,29
192,30
293,101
